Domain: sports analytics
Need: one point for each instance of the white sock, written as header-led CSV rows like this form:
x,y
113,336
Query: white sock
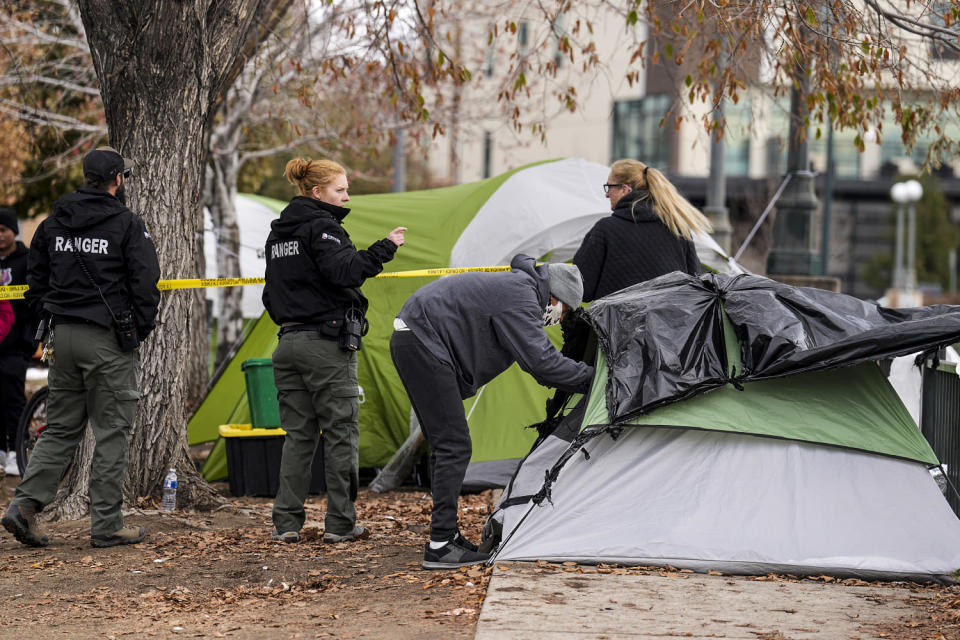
x,y
438,545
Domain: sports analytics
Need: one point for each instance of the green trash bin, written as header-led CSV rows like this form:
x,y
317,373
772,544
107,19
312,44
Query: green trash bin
x,y
261,393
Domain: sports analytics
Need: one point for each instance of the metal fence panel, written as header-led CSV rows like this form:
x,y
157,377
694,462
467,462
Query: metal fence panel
x,y
940,421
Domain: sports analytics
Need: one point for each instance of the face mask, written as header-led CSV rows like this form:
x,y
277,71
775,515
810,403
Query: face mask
x,y
552,313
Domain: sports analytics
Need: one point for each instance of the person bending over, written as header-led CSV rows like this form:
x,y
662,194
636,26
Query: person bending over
x,y
455,335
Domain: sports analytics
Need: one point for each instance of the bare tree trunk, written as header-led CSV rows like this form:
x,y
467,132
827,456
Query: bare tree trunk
x,y
159,106
221,193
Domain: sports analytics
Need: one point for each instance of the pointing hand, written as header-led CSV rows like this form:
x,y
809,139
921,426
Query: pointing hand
x,y
396,236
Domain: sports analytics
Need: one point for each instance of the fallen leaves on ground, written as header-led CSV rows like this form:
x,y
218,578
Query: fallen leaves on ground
x,y
221,575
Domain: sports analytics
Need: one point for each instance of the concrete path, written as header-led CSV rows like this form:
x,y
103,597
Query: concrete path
x,y
529,601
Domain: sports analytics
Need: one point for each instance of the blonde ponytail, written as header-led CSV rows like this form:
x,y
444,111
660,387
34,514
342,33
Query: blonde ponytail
x,y
673,210
307,174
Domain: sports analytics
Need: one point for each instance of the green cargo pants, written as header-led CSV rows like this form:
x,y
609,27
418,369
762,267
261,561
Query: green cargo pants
x,y
317,389
89,378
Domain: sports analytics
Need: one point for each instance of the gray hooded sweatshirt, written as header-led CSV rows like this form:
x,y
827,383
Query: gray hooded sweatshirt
x,y
481,323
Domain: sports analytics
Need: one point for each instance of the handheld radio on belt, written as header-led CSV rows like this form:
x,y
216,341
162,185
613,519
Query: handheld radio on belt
x,y
355,326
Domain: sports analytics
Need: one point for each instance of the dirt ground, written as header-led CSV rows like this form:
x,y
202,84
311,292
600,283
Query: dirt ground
x,y
218,575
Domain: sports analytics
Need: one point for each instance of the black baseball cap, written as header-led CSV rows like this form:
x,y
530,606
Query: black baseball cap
x,y
106,163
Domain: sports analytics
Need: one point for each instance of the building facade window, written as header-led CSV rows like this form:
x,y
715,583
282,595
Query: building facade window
x,y
846,155
893,150
736,139
558,30
488,57
941,50
487,154
637,132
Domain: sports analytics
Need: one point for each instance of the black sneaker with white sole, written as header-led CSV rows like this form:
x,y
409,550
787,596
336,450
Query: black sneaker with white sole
x,y
450,556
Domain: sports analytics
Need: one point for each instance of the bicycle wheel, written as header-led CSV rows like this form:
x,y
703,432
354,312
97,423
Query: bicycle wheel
x,y
33,421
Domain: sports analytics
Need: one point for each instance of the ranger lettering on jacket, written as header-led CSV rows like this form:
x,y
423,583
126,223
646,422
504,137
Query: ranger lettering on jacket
x,y
284,249
85,245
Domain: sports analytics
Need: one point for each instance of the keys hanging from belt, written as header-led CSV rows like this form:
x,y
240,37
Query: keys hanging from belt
x,y
47,354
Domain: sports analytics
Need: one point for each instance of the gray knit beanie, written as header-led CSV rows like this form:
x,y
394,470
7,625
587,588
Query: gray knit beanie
x,y
566,284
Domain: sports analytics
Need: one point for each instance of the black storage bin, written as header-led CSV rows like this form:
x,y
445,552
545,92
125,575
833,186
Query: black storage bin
x,y
253,461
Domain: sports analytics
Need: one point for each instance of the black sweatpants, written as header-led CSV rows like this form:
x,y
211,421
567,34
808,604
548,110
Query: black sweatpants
x,y
13,373
435,396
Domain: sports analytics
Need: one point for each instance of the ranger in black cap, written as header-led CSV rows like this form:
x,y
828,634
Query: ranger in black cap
x,y
17,347
93,268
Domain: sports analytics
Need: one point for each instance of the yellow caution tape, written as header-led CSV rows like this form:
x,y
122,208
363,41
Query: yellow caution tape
x,y
445,271
15,292
203,283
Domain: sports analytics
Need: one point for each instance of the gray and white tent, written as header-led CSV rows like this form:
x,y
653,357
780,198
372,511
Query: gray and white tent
x,y
739,425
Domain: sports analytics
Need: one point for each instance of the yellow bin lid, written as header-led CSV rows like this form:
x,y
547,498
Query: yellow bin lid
x,y
247,431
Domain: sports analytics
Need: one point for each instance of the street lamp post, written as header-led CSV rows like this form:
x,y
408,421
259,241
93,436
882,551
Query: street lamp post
x,y
916,192
792,251
906,194
898,196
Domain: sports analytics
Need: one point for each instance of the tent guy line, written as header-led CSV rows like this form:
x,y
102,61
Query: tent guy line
x,y
16,292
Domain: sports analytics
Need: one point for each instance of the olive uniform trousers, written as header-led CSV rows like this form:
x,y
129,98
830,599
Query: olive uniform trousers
x,y
318,393
90,378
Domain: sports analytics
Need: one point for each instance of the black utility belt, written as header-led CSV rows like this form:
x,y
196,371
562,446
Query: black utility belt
x,y
58,319
329,332
348,332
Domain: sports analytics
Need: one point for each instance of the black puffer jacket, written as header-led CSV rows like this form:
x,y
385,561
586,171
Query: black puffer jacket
x,y
20,338
117,251
314,271
631,246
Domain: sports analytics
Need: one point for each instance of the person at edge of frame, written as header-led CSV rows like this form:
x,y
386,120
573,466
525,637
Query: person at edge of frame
x,y
7,320
312,290
93,270
17,347
456,334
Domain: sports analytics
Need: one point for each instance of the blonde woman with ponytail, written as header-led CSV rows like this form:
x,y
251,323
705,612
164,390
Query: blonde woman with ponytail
x,y
649,234
312,292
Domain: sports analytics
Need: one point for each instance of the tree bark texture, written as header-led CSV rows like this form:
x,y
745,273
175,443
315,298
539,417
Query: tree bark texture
x,y
163,66
221,190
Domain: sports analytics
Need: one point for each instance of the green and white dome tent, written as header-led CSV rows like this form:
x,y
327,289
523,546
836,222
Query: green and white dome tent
x,y
545,210
541,210
740,425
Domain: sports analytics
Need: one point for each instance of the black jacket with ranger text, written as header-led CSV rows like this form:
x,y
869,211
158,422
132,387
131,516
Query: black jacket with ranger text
x,y
20,338
314,271
119,255
631,246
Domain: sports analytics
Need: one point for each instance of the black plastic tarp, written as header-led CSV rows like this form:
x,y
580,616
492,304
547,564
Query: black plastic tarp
x,y
663,339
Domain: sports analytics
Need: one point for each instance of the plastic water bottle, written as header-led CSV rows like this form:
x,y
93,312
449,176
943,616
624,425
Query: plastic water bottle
x,y
169,501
